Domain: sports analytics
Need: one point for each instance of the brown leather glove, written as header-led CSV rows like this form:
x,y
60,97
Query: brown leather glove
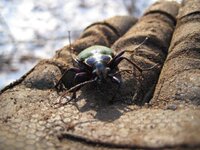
x,y
29,118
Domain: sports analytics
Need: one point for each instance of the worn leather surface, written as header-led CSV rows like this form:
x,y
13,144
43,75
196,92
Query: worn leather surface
x,y
30,118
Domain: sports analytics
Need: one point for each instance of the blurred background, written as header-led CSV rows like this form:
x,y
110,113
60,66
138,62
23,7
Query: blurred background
x,y
32,30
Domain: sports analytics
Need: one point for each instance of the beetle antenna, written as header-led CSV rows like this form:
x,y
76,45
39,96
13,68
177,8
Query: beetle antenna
x,y
141,43
69,37
70,46
138,45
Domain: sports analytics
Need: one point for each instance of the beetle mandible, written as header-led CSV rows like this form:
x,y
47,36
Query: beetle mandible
x,y
95,64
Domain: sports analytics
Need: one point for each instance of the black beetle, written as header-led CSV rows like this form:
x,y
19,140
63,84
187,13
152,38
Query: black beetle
x,y
95,64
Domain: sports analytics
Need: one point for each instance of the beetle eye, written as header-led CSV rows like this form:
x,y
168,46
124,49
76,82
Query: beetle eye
x,y
90,61
106,58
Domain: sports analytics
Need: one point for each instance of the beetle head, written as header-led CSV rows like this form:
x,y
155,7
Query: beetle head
x,y
101,71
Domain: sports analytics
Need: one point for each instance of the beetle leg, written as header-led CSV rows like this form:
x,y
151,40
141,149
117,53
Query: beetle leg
x,y
69,100
112,62
122,52
115,79
79,78
124,70
74,89
81,84
80,64
118,60
59,85
118,82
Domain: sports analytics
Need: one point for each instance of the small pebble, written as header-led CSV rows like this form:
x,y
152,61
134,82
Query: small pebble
x,y
172,107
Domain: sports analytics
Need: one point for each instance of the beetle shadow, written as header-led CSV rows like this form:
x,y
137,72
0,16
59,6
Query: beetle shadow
x,y
100,99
